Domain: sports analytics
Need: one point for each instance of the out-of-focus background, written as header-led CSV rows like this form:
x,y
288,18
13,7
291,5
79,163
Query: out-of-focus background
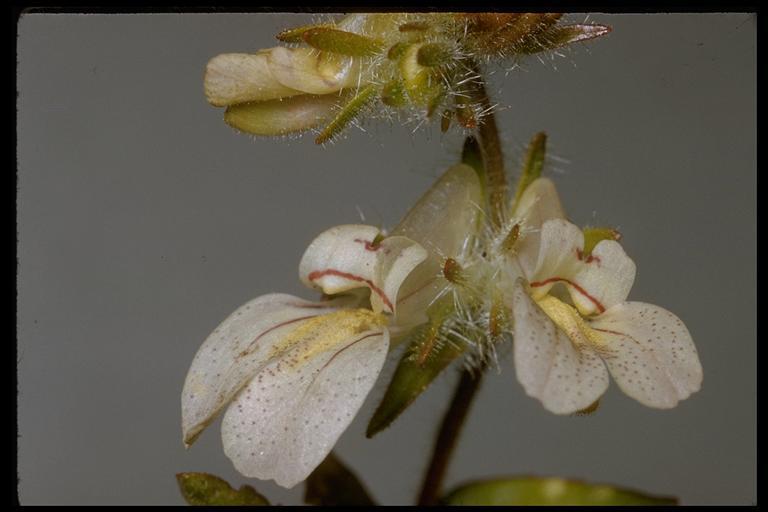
x,y
144,221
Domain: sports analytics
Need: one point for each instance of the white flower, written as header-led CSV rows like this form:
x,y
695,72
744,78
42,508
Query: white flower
x,y
294,373
561,350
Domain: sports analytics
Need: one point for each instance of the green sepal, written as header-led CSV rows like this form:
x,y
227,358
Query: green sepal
x,y
296,35
430,350
472,155
593,236
548,491
341,42
533,164
353,108
206,489
562,35
333,484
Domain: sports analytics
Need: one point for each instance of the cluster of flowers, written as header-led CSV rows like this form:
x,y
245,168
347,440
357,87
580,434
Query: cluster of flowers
x,y
368,64
293,373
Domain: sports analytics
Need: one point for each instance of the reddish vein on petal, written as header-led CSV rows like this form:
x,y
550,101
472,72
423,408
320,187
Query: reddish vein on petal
x,y
317,274
252,345
578,288
358,340
368,245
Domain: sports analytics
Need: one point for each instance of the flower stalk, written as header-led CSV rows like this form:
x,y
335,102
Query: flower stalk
x,y
453,421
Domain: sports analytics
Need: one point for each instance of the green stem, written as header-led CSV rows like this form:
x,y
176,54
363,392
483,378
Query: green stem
x,y
469,384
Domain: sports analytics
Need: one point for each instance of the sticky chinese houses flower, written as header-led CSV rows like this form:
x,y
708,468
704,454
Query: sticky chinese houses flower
x,y
562,347
293,373
378,64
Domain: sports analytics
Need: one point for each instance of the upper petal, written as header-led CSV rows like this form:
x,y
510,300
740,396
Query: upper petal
x,y
313,71
443,221
445,217
286,421
650,353
235,352
566,379
347,257
232,78
539,203
595,282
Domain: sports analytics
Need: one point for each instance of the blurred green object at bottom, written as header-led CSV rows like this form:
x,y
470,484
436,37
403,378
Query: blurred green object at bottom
x,y
548,491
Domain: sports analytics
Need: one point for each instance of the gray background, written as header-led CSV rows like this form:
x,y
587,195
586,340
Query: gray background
x,y
144,220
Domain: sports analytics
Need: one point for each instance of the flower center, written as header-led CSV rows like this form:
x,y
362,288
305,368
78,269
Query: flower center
x,y
323,332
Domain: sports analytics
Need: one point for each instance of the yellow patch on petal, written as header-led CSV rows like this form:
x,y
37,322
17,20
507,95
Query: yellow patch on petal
x,y
568,320
327,331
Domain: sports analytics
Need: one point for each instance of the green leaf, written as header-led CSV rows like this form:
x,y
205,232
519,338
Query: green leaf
x,y
206,489
533,165
548,491
333,484
430,350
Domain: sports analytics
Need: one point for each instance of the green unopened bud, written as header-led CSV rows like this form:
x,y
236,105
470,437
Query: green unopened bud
x,y
420,81
393,94
433,54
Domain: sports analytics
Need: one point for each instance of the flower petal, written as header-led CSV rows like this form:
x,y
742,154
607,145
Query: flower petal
x,y
236,351
313,71
652,356
281,116
538,204
443,222
595,282
548,365
607,274
232,78
285,422
347,257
